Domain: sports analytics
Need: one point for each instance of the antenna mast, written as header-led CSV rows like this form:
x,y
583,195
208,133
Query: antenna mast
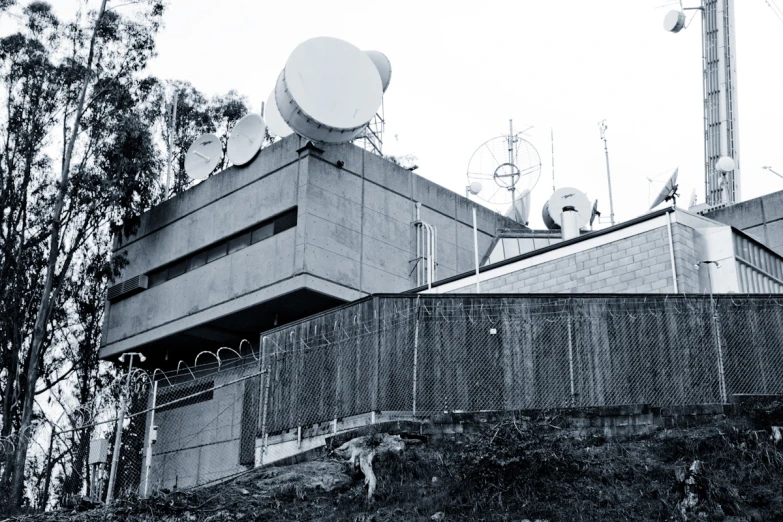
x,y
552,136
511,162
602,125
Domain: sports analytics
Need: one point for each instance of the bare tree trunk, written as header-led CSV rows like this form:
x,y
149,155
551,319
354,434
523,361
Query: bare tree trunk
x,y
49,295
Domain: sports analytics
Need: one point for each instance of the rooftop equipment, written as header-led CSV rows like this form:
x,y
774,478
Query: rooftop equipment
x,y
203,156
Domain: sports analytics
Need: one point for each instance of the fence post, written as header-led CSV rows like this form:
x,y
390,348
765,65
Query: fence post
x,y
415,354
150,441
377,364
721,371
264,404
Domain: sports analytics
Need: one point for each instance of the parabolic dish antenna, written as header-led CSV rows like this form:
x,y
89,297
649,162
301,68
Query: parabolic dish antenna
x,y
507,167
203,156
383,65
277,125
725,164
674,21
520,209
246,139
668,192
568,197
329,90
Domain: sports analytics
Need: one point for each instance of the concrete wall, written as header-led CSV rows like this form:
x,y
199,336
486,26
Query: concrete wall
x,y
200,442
637,264
354,236
760,218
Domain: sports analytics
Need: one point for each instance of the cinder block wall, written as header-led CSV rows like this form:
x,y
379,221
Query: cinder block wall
x,y
637,264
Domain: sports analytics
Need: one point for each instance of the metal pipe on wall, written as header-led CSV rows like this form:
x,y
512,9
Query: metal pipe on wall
x,y
671,249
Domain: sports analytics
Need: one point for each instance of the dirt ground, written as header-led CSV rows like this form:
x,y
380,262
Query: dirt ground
x,y
524,469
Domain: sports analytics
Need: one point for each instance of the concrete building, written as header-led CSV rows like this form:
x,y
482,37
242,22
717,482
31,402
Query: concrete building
x,y
660,252
295,232
761,218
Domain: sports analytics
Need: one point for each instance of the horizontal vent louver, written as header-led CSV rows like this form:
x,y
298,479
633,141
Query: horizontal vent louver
x,y
127,288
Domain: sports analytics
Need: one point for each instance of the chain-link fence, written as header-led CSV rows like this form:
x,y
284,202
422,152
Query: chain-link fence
x,y
473,353
414,355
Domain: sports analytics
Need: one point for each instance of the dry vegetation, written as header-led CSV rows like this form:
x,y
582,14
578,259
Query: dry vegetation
x,y
526,469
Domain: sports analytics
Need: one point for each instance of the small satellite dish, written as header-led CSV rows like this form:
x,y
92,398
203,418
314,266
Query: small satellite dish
x,y
725,164
277,125
246,139
692,199
474,188
569,197
329,90
674,21
383,65
203,156
668,192
520,210
594,213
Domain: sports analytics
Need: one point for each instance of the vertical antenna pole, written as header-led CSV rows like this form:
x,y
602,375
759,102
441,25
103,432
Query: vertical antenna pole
x,y
602,125
172,130
552,137
475,251
511,166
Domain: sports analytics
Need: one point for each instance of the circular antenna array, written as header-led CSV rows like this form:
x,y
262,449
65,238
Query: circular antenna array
x,y
567,197
329,90
277,125
203,156
725,164
246,139
509,167
674,21
383,65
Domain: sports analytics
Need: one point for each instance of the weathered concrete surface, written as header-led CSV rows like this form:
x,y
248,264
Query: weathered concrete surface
x,y
760,218
354,236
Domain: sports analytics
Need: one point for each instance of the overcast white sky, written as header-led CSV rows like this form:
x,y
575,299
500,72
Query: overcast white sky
x,y
462,69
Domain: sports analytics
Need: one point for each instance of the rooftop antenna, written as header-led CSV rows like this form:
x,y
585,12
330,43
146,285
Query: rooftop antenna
x,y
246,139
514,167
778,174
575,200
172,130
329,90
594,214
668,192
552,137
719,68
602,126
203,156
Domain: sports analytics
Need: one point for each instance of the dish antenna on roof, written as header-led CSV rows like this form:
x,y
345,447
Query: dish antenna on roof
x,y
692,199
668,192
383,65
203,156
674,21
594,213
275,122
246,139
514,167
329,90
567,197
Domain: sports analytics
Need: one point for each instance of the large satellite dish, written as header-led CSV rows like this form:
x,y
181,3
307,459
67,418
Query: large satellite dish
x,y
668,192
383,65
277,125
246,139
203,156
508,167
567,197
329,90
